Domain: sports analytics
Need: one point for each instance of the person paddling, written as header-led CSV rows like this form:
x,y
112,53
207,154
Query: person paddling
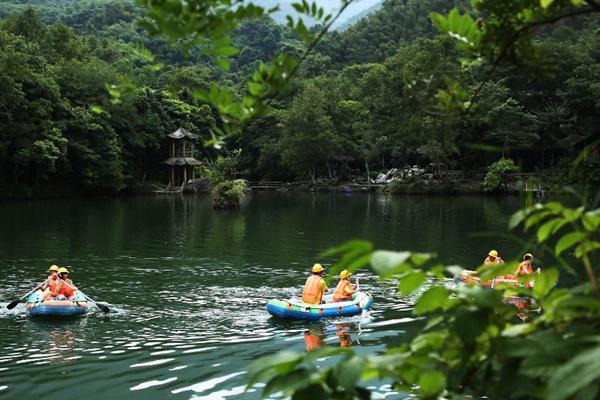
x,y
344,288
64,289
526,268
493,258
48,286
315,286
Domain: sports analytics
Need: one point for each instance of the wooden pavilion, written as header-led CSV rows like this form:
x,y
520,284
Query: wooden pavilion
x,y
182,162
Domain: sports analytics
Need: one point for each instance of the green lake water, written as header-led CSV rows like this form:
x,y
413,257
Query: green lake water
x,y
188,285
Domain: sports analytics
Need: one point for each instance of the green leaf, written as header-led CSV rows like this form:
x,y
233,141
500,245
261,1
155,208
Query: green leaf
x,y
434,298
348,372
587,247
226,51
546,3
517,218
545,230
411,282
96,109
574,375
356,245
280,363
455,269
431,383
420,258
517,330
389,263
289,383
440,21
544,282
222,63
568,240
591,220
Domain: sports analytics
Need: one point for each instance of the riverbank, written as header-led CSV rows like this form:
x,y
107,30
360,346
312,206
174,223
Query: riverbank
x,y
428,184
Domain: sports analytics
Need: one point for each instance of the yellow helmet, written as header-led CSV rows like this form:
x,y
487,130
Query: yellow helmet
x,y
493,253
63,270
317,268
53,268
528,256
344,274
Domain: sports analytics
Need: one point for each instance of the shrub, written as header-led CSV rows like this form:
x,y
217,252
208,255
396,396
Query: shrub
x,y
496,174
222,168
228,194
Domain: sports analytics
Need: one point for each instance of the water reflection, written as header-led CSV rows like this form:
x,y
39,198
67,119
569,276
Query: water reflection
x,y
525,305
336,334
58,339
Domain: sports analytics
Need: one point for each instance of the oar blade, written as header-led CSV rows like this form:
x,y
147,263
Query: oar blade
x,y
103,307
12,305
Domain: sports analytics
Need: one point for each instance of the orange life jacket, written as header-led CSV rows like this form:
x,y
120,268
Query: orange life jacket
x,y
63,288
312,293
525,268
67,291
52,283
340,291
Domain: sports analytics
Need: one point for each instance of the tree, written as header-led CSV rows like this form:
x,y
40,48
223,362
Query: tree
x,y
309,140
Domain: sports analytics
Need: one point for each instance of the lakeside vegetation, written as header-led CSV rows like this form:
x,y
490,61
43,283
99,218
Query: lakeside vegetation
x,y
366,99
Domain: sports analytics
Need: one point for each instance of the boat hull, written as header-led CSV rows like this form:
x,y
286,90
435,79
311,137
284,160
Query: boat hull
x,y
470,278
296,309
56,308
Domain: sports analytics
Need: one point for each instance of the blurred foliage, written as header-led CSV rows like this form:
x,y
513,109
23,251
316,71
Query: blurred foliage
x,y
472,344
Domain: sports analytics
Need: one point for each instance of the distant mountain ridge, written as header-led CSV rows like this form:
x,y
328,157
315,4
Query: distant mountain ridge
x,y
357,17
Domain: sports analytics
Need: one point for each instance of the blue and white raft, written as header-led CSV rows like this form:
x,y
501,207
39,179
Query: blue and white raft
x,y
56,308
296,309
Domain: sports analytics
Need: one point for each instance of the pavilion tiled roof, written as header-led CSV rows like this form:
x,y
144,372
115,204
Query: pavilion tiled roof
x,y
181,133
182,161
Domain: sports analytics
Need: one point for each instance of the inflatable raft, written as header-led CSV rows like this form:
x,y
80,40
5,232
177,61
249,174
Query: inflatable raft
x,y
56,308
469,277
296,309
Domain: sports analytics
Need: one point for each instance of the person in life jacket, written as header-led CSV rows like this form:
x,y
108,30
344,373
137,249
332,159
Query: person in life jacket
x,y
344,288
493,258
526,268
64,290
315,286
48,287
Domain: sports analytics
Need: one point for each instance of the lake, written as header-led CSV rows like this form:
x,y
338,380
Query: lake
x,y
188,285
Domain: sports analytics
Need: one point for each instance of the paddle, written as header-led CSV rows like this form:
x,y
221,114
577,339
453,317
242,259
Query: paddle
x,y
14,303
102,307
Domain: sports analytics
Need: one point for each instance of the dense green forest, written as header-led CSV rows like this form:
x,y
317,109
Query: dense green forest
x,y
367,97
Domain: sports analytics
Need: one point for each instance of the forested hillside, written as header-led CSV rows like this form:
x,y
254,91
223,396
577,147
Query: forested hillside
x,y
366,98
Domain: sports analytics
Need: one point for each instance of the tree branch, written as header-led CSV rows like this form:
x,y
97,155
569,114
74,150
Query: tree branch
x,y
594,7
